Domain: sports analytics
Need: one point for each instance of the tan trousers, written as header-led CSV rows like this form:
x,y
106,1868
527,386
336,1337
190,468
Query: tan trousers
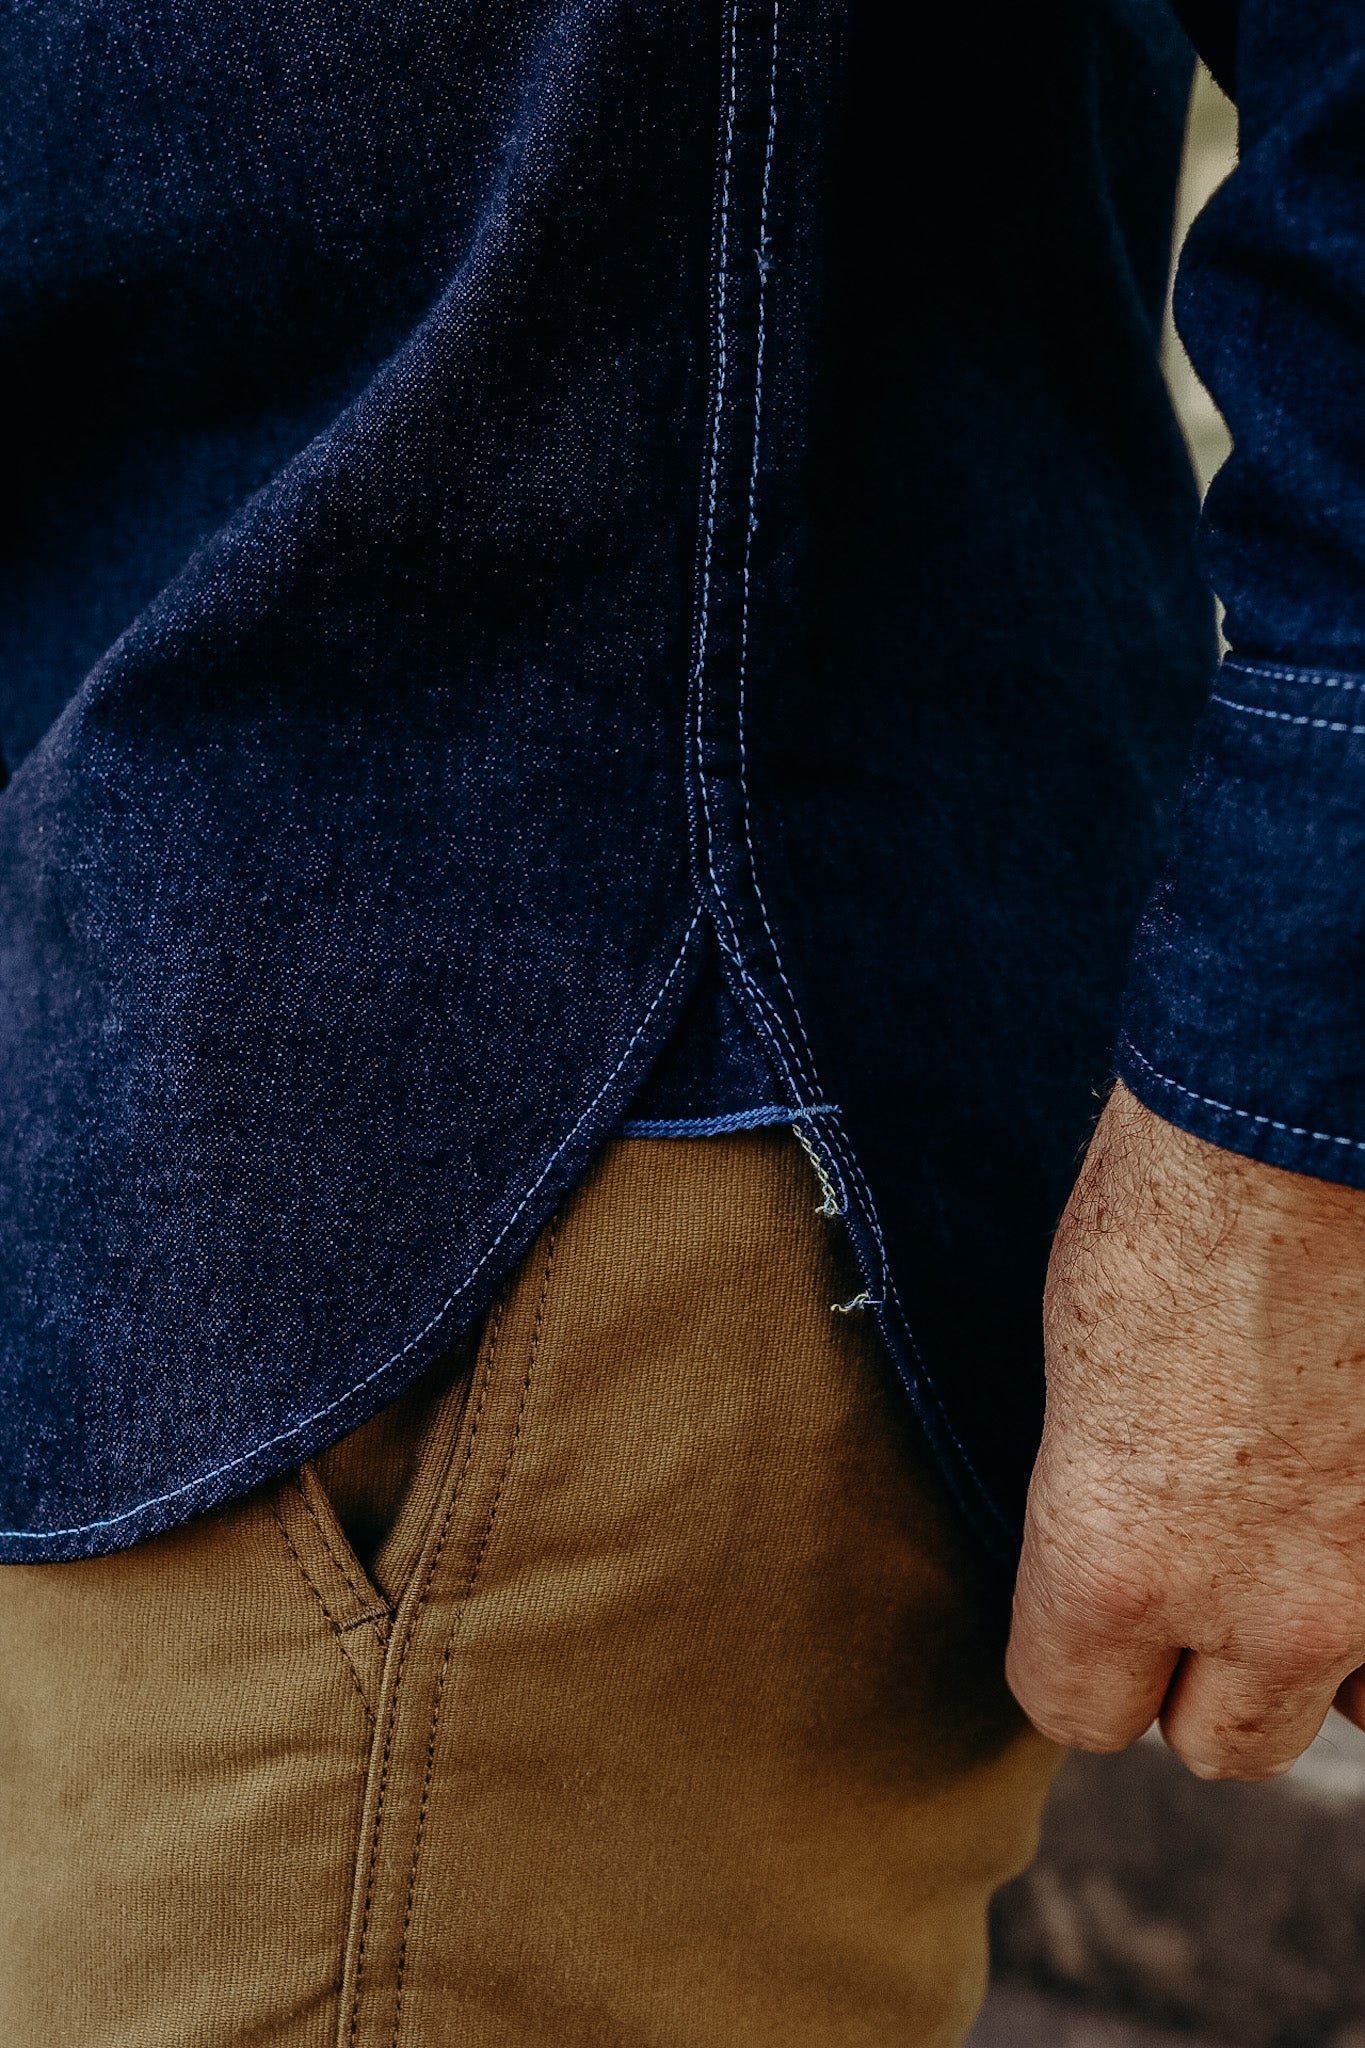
x,y
650,1701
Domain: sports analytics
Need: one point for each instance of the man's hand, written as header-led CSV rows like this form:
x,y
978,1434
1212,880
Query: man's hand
x,y
1195,1546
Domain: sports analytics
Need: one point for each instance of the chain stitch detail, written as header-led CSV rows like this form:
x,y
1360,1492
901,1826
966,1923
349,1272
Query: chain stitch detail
x,y
722,1126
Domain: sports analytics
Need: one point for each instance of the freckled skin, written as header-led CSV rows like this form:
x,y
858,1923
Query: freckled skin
x,y
1195,1547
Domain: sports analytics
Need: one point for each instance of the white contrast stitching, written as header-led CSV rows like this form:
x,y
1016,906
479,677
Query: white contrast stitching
x,y
713,474
806,1066
1287,717
849,1161
829,1202
1270,1123
838,1152
233,1464
785,1052
1325,679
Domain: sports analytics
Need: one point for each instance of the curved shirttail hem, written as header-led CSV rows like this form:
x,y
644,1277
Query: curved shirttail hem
x,y
206,1479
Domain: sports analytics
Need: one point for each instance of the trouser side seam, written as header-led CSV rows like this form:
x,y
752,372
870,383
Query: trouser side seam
x,y
408,1635
449,1651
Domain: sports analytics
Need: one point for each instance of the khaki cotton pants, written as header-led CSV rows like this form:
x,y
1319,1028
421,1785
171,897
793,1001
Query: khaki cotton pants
x,y
650,1702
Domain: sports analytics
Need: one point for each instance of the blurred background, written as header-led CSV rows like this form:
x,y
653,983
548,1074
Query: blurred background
x,y
1210,154
1160,1912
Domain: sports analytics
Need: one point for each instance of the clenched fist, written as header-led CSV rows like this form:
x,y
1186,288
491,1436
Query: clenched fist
x,y
1195,1546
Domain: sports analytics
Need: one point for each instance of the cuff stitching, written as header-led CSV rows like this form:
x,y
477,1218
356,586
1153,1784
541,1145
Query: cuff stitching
x,y
1325,679
1271,1123
1287,717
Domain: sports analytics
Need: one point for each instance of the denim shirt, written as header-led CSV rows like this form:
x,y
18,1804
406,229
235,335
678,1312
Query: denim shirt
x,y
570,561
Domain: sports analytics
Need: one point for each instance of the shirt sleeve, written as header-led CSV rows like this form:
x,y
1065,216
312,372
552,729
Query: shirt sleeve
x,y
1245,1016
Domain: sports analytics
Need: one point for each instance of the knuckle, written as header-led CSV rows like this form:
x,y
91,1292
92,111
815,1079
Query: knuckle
x,y
1250,1736
1062,1708
1120,1604
1303,1646
1093,1597
1072,1728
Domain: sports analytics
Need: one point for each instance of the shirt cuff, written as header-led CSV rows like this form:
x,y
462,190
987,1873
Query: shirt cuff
x,y
1245,1015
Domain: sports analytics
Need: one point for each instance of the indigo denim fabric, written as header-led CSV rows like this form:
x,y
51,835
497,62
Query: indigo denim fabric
x,y
524,516
1246,1018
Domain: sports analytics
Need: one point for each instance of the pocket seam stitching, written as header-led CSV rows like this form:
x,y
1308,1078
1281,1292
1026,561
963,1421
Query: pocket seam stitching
x,y
338,1633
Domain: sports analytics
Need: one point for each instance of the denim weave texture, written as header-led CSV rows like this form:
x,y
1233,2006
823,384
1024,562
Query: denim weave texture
x,y
527,519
